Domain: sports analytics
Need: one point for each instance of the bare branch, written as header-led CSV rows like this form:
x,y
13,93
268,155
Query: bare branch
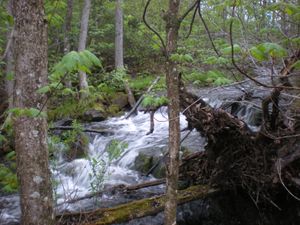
x,y
192,22
242,71
207,30
189,10
152,29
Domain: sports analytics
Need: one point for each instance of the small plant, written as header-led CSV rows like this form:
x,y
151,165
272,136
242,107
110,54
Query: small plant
x,y
152,101
8,176
97,175
212,77
99,167
115,149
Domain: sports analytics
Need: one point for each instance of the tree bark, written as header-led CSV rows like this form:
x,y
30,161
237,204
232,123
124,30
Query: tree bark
x,y
83,84
68,27
119,49
9,61
119,60
172,82
30,48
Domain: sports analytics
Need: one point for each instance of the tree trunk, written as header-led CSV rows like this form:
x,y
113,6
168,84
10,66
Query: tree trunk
x,y
172,82
30,48
119,60
9,62
82,40
68,27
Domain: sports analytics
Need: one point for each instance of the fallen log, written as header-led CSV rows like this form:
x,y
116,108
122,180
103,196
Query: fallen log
x,y
120,188
133,210
103,131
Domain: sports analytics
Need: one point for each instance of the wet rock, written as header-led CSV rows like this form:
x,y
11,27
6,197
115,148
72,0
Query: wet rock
x,y
120,99
94,115
77,149
147,158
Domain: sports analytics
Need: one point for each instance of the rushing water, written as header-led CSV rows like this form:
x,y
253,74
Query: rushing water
x,y
73,179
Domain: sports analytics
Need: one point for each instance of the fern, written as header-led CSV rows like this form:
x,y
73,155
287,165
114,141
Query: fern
x,y
152,101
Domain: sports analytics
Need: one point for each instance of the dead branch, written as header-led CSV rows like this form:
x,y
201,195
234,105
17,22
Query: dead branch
x,y
103,131
116,188
133,110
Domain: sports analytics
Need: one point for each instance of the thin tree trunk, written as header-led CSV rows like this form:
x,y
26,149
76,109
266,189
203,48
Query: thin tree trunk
x,y
172,82
68,27
119,51
83,84
9,62
119,60
30,48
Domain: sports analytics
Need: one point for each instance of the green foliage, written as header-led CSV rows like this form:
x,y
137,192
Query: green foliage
x,y
99,166
97,175
66,140
28,112
54,9
296,65
264,51
181,58
140,83
115,149
212,77
8,176
214,60
153,101
227,50
73,62
2,139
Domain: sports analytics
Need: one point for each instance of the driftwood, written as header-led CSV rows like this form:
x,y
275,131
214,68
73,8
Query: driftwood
x,y
133,110
129,93
133,210
117,188
103,131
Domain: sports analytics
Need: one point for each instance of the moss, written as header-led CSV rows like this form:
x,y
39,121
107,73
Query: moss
x,y
136,209
113,110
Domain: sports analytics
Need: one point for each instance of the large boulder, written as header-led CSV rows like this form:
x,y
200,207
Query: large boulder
x,y
120,99
147,158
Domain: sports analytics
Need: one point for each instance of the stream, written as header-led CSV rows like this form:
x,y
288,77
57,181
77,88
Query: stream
x,y
73,179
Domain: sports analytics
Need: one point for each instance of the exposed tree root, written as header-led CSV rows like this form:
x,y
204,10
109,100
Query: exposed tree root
x,y
237,158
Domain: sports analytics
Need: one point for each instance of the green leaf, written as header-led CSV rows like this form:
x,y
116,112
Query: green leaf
x,y
296,65
44,90
258,54
29,112
188,58
2,139
227,50
92,57
10,76
272,49
11,155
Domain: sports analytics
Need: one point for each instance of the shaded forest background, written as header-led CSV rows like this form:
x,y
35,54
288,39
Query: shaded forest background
x,y
219,43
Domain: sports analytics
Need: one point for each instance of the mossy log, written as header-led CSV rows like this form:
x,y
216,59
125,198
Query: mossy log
x,y
133,210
